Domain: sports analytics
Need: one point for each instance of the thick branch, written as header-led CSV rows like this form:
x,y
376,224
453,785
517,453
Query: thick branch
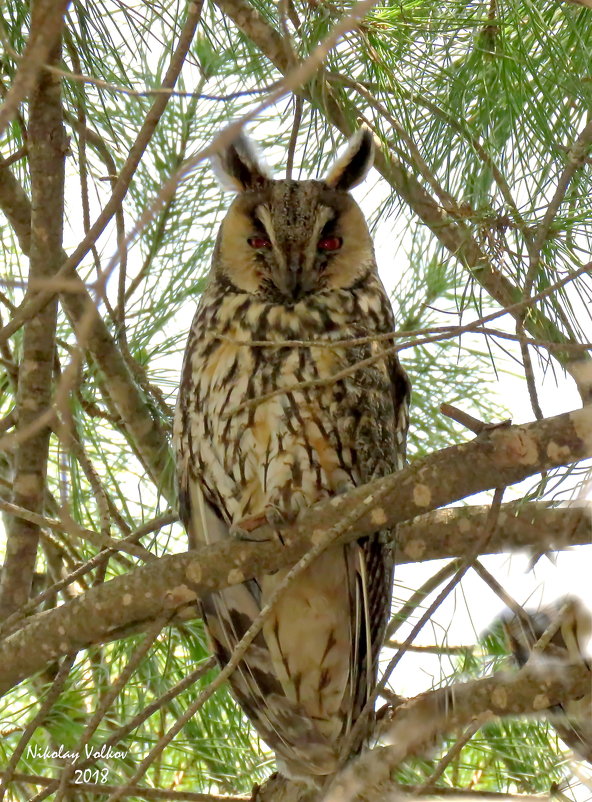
x,y
446,533
498,457
420,723
47,150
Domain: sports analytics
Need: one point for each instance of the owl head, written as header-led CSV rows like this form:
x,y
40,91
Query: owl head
x,y
284,240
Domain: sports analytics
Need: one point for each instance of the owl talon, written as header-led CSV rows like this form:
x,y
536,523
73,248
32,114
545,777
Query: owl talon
x,y
246,529
276,517
239,532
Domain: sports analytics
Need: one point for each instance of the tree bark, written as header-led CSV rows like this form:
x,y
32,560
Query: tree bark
x,y
495,458
47,151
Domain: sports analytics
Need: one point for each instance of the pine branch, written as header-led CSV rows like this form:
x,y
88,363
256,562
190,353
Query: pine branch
x,y
521,525
497,457
420,723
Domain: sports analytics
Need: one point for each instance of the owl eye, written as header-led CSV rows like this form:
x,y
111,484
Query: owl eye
x,y
259,243
329,244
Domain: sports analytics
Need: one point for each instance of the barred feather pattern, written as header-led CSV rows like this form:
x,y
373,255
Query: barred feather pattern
x,y
309,672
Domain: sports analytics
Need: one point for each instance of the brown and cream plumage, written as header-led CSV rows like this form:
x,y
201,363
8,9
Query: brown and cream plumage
x,y
294,260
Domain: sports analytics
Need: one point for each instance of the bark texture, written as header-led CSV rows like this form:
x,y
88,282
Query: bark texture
x,y
496,458
47,152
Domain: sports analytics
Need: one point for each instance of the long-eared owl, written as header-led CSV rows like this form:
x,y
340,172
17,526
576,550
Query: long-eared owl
x,y
293,261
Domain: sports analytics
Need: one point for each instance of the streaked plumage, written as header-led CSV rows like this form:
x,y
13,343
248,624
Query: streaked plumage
x,y
306,677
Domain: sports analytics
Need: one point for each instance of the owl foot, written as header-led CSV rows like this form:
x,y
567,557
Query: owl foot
x,y
276,517
246,528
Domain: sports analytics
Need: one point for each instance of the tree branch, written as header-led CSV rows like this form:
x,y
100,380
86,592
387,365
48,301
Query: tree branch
x,y
445,533
420,723
47,151
496,457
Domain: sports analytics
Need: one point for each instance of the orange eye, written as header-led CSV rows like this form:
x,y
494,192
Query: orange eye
x,y
259,243
329,244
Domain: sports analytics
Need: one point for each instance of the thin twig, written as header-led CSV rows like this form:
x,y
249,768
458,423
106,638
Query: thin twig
x,y
163,90
431,649
468,421
499,590
70,526
418,597
37,721
298,106
454,752
528,371
109,697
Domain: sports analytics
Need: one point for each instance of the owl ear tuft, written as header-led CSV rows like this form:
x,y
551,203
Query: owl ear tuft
x,y
238,167
352,167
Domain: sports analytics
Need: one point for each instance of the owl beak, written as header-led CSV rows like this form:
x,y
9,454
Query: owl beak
x,y
291,282
294,278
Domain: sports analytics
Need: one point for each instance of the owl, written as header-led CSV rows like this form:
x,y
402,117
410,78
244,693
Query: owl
x,y
256,444
571,642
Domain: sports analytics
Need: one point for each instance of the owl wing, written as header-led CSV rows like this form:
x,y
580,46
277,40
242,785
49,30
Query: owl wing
x,y
401,394
375,564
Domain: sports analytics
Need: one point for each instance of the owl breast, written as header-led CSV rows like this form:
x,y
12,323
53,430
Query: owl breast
x,y
273,428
